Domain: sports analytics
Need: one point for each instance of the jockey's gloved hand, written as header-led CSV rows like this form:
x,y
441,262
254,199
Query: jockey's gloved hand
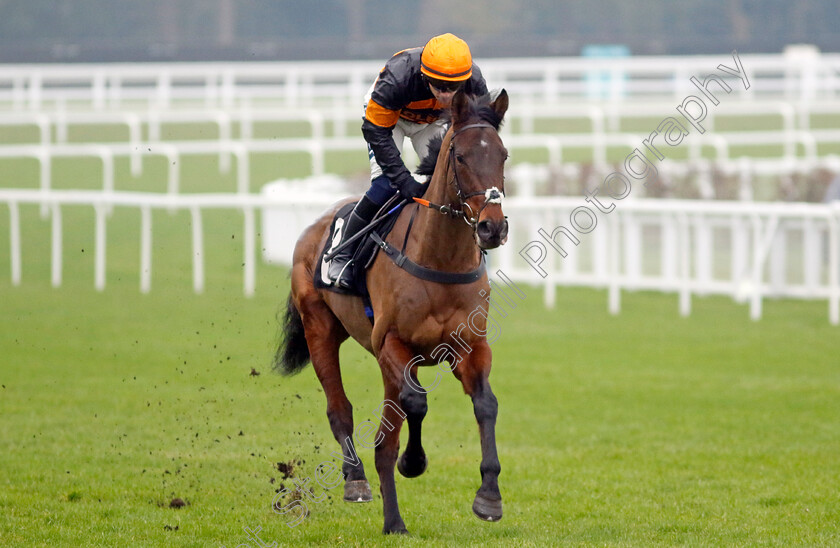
x,y
413,186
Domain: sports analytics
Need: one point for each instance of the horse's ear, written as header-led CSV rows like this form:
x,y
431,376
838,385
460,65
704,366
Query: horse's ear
x,y
500,105
460,106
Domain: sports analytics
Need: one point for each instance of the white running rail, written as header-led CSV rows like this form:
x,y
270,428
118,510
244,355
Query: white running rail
x,y
548,80
692,242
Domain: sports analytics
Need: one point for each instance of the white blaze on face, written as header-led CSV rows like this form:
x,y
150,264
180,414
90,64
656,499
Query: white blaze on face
x,y
484,143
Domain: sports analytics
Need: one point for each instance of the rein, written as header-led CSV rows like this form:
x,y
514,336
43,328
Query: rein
x,y
418,271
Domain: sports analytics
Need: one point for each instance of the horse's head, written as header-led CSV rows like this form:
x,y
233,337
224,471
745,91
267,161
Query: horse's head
x,y
477,162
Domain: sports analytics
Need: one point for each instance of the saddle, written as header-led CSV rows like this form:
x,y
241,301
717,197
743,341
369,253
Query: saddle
x,y
366,253
362,259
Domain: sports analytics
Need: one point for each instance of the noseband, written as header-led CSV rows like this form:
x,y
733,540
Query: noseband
x,y
491,195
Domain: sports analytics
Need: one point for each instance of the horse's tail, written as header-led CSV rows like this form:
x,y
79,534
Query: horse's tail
x,y
292,354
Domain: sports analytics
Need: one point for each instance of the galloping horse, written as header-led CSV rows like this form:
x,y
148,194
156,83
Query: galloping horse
x,y
413,317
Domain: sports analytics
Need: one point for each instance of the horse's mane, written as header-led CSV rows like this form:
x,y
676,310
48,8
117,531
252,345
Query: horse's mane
x,y
478,107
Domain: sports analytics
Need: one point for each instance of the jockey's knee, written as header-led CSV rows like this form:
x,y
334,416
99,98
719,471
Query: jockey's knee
x,y
380,190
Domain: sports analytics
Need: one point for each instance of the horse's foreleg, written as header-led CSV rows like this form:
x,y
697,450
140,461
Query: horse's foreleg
x,y
392,358
474,374
324,335
413,461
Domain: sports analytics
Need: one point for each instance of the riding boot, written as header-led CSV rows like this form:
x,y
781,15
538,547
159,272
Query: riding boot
x,y
340,270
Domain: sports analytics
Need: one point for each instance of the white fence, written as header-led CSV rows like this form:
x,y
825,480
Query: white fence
x,y
522,117
797,147
554,147
759,257
744,250
104,202
800,76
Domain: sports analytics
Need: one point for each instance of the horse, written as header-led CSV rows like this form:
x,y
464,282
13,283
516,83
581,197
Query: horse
x,y
413,318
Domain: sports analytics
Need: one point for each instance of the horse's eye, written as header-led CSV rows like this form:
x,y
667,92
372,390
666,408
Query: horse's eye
x,y
459,158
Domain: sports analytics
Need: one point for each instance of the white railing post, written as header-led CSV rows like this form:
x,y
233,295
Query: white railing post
x,y
763,241
243,170
197,249
135,136
228,89
225,141
45,165
98,84
101,212
145,249
834,265
61,127
316,151
703,253
600,255
164,90
173,170
684,231
249,264
35,91
550,281
107,158
632,250
812,259
614,268
669,250
739,256
756,274
778,260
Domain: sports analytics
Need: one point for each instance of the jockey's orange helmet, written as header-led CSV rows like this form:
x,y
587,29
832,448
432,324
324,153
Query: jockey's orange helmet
x,y
446,57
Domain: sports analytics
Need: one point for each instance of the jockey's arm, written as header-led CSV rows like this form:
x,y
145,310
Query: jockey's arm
x,y
377,129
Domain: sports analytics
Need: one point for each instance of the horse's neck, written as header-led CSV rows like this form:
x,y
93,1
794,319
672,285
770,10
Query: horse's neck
x,y
440,241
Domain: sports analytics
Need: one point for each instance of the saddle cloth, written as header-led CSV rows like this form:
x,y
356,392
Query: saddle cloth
x,y
362,259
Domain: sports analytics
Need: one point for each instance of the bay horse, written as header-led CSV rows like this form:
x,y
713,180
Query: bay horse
x,y
412,317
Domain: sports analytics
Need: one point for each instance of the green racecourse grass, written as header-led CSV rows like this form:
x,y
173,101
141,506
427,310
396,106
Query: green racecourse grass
x,y
634,430
640,429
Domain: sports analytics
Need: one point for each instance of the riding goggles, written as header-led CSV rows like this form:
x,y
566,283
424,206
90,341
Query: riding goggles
x,y
445,86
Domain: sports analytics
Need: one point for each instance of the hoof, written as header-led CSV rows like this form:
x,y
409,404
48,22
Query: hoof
x,y
412,468
357,491
398,530
486,509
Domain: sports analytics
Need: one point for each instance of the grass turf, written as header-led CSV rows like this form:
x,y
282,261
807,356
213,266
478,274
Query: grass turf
x,y
639,429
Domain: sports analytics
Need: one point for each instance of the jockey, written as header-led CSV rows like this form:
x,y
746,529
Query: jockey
x,y
406,100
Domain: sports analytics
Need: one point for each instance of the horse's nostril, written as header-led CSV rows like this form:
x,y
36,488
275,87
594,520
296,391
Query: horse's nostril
x,y
485,230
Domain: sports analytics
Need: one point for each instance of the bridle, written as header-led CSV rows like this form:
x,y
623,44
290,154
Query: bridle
x,y
491,195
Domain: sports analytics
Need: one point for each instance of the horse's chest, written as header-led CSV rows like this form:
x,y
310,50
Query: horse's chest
x,y
432,324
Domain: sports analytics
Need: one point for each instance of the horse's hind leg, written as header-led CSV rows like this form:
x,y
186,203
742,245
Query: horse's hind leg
x,y
324,335
413,461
